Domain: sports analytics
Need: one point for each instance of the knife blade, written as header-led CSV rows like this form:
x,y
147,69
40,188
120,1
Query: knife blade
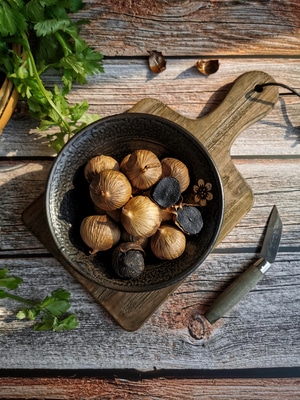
x,y
252,275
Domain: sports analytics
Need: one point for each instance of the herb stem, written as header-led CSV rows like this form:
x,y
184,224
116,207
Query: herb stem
x,y
62,42
41,86
18,298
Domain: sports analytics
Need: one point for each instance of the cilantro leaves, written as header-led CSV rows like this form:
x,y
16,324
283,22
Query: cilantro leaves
x,y
51,311
39,35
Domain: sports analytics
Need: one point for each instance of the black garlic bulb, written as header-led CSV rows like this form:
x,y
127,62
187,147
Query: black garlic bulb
x,y
189,219
128,260
166,192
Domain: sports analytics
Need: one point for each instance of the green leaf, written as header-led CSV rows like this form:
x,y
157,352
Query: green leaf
x,y
48,27
3,272
67,323
3,294
58,303
61,294
46,324
12,19
34,10
9,282
28,313
78,110
73,5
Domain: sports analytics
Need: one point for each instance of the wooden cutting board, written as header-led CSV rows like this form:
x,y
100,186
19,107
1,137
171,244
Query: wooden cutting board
x,y
217,130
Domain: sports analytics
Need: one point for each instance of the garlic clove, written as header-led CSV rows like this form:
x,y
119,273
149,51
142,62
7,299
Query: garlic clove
x,y
98,164
157,62
99,232
189,219
140,216
168,242
143,169
110,189
176,168
128,260
166,192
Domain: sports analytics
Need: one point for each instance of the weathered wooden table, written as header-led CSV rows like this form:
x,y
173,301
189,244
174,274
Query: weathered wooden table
x,y
253,352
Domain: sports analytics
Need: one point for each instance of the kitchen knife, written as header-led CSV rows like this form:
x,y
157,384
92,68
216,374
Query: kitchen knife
x,y
249,278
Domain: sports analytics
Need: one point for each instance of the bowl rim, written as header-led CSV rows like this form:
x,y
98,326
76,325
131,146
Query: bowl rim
x,y
129,288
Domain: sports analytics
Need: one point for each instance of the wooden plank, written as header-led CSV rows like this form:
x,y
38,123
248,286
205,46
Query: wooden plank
x,y
262,331
185,90
131,28
189,389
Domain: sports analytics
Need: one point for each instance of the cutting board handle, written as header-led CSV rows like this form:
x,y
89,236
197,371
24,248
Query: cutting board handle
x,y
242,107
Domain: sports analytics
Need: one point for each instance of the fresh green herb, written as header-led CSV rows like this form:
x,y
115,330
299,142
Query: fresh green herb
x,y
39,35
51,311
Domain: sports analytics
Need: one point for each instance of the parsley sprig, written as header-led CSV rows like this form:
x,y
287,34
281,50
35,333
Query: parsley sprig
x,y
37,36
49,313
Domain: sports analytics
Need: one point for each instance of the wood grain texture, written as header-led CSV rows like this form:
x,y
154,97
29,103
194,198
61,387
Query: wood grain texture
x,y
181,87
262,331
165,389
190,27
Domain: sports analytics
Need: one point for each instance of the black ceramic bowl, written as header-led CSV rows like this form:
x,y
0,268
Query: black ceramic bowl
x,y
68,200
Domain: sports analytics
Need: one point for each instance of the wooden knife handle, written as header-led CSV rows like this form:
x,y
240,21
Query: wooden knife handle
x,y
235,292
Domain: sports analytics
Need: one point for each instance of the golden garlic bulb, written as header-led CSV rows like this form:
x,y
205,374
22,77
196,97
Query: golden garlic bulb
x,y
140,216
110,189
99,232
98,164
168,242
142,168
177,169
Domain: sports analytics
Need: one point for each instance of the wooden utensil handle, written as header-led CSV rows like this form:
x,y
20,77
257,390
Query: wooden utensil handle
x,y
242,107
235,292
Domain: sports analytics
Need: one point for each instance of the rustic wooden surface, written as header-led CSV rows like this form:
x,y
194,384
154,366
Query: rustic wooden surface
x,y
262,331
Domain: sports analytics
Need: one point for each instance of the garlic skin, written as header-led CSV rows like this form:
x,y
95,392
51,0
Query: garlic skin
x,y
99,232
113,214
142,168
110,189
126,237
168,242
167,214
177,169
157,62
207,67
98,164
141,216
123,163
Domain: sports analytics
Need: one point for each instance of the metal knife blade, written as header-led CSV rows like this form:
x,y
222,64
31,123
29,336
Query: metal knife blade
x,y
252,275
272,238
